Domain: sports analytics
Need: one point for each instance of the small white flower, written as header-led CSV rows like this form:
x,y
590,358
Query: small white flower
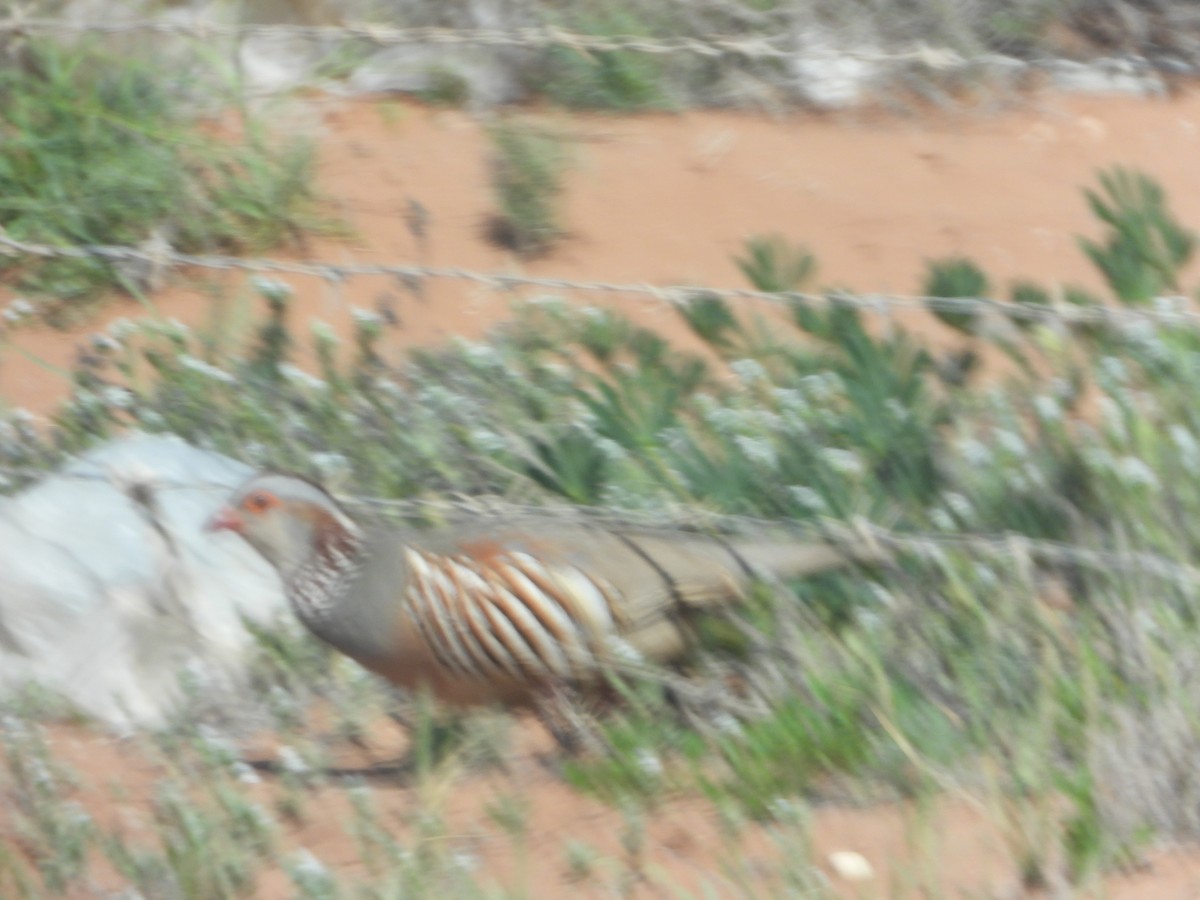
x,y
299,377
1115,369
272,288
623,651
723,419
976,453
391,388
759,420
207,369
117,397
17,310
244,773
39,773
1186,442
104,343
255,451
308,867
1135,473
1047,408
482,354
1011,442
561,371
330,464
1145,622
786,809
1112,416
120,329
727,724
790,399
488,441
365,317
648,761
612,451
941,519
323,332
550,302
899,411
882,595
748,371
1168,306
757,450
292,761
986,575
216,743
76,814
1143,331
808,498
822,387
958,504
869,619
845,462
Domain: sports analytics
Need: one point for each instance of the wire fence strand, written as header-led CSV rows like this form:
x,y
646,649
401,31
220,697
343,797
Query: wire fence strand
x,y
860,533
747,46
1169,311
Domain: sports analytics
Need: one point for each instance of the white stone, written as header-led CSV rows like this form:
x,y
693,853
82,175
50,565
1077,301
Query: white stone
x,y
851,866
1105,76
99,606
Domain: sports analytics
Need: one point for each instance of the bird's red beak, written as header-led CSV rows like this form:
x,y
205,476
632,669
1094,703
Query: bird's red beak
x,y
225,519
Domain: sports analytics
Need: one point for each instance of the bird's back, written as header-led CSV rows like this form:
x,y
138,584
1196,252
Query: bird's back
x,y
487,612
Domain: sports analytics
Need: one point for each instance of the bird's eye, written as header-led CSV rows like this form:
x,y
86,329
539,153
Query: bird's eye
x,y
259,501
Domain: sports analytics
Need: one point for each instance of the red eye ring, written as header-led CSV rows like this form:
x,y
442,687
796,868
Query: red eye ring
x,y
259,501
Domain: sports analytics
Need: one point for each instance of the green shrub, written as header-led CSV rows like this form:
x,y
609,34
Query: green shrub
x,y
527,168
771,264
100,149
955,278
1145,249
604,79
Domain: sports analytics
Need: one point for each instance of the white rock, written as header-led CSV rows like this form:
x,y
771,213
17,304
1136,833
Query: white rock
x,y
99,606
1105,76
830,79
488,78
851,866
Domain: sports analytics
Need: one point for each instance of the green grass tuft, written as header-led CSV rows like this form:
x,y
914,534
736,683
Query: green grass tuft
x,y
99,149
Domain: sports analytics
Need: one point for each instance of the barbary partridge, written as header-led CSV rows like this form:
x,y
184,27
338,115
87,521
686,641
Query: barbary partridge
x,y
497,613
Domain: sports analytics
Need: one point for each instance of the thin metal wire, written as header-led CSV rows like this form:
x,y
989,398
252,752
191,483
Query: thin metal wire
x,y
855,533
1168,312
748,46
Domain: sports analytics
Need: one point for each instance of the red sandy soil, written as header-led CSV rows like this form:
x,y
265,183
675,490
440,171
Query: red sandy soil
x,y
954,846
670,199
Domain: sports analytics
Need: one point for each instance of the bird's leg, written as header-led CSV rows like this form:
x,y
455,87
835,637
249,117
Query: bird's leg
x,y
561,709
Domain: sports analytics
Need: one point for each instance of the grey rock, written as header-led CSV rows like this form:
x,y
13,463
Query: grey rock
x,y
487,77
107,603
829,76
1106,76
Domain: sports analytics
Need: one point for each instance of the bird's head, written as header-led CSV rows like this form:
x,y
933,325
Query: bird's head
x,y
287,519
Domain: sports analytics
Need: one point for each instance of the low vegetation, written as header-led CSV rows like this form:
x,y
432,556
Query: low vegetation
x,y
101,149
1054,689
527,167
